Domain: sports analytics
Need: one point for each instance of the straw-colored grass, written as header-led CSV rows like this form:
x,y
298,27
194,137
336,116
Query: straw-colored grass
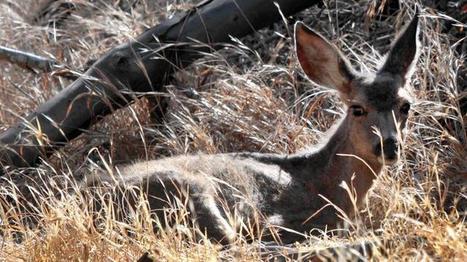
x,y
249,96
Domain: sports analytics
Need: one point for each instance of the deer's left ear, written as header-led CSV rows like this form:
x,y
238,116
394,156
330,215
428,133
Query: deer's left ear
x,y
404,53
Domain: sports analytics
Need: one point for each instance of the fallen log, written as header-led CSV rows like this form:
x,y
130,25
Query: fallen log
x,y
139,66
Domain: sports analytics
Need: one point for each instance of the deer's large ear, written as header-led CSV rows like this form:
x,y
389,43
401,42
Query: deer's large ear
x,y
403,55
321,61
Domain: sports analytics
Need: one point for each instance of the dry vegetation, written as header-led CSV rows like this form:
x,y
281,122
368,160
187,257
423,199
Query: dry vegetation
x,y
250,96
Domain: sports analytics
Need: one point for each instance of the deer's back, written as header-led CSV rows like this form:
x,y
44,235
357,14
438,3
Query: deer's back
x,y
239,181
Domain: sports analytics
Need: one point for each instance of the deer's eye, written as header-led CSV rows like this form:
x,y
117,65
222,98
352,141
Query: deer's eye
x,y
405,108
357,110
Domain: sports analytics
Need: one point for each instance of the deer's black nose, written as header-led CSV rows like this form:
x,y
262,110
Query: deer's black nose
x,y
390,148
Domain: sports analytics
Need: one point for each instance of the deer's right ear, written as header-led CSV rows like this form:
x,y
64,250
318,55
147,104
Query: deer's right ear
x,y
321,61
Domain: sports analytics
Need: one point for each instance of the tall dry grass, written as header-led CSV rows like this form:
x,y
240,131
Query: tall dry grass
x,y
249,96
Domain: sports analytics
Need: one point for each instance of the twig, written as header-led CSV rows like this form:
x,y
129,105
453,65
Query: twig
x,y
28,60
36,63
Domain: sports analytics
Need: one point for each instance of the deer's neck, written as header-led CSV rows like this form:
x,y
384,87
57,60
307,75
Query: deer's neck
x,y
339,161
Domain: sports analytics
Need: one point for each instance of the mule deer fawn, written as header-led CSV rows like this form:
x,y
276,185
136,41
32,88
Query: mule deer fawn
x,y
286,190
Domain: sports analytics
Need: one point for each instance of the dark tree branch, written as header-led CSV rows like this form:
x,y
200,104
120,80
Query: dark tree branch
x,y
27,60
35,63
142,65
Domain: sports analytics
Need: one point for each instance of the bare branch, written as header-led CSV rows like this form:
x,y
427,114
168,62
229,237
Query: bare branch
x,y
27,60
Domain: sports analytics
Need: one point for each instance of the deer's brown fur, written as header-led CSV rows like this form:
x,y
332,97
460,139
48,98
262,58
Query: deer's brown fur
x,y
284,190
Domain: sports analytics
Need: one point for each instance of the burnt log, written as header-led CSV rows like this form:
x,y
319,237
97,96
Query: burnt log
x,y
137,67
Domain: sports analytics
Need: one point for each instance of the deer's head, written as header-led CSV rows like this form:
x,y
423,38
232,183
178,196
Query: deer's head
x,y
378,105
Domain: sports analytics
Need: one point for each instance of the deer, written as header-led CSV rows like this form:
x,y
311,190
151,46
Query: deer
x,y
290,191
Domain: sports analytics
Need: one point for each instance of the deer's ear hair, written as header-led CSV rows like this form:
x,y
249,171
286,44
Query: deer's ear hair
x,y
404,52
321,61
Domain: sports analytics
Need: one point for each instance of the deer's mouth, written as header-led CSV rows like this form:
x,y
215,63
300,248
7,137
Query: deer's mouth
x,y
387,160
387,152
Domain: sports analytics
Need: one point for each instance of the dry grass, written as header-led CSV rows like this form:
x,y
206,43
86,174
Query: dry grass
x,y
250,96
